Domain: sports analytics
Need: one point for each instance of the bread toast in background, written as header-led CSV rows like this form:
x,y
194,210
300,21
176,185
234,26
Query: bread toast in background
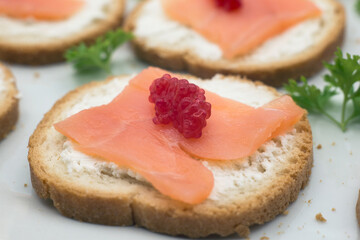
x,y
9,102
297,52
83,188
36,42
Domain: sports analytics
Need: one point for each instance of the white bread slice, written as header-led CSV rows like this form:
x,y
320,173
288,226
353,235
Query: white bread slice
x,y
9,102
298,51
42,42
246,193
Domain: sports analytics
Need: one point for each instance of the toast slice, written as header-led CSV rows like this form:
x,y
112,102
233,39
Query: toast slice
x,y
245,193
9,102
296,52
42,42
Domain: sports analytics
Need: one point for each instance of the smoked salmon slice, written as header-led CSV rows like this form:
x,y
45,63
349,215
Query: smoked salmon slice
x,y
241,31
123,132
40,9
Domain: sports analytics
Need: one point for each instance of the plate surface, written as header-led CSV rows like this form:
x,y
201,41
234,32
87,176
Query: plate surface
x,y
332,191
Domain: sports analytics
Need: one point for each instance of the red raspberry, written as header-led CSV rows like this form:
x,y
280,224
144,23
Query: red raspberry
x,y
180,102
229,5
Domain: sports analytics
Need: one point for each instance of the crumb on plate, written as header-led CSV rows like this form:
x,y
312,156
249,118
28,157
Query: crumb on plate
x,y
36,74
319,217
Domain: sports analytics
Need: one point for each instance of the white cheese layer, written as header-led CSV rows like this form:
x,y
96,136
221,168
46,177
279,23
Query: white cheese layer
x,y
92,11
228,179
158,30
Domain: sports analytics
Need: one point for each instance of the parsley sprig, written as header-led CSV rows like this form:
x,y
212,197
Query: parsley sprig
x,y
98,55
357,6
344,77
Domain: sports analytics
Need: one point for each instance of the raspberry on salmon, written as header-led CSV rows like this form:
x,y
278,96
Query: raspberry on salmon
x,y
180,102
229,5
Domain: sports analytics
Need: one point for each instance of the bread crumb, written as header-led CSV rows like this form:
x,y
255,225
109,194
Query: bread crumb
x,y
351,153
25,185
319,146
36,74
333,209
280,225
279,233
320,180
333,144
330,160
319,217
309,201
264,238
286,212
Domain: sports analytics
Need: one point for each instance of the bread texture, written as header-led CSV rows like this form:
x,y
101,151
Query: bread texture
x,y
9,102
167,52
268,181
39,50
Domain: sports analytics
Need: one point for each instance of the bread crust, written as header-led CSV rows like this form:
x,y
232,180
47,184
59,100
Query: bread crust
x,y
144,206
274,74
9,105
52,51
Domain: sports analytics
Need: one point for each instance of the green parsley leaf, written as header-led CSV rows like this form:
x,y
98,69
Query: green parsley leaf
x,y
344,77
98,55
357,6
308,96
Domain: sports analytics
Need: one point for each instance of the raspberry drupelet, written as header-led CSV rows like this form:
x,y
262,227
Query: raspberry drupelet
x,y
229,5
180,102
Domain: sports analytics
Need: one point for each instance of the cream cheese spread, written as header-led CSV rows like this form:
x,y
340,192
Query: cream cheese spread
x,y
227,178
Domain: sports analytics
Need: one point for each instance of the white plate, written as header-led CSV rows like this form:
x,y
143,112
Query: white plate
x,y
334,182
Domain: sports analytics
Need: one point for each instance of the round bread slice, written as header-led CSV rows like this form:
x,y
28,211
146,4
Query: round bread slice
x,y
9,102
297,52
36,42
246,192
